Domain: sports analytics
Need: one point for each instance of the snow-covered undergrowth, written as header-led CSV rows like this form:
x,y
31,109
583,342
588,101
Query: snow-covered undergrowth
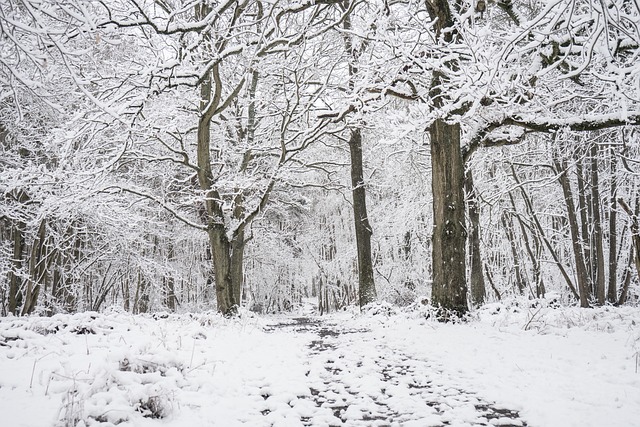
x,y
559,366
556,366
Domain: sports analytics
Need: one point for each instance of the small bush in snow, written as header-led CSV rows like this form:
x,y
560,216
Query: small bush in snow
x,y
379,309
72,408
154,407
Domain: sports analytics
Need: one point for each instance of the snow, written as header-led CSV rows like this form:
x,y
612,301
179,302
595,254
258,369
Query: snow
x,y
516,363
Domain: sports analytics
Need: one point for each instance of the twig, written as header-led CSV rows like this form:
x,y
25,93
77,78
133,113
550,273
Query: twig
x,y
193,350
533,316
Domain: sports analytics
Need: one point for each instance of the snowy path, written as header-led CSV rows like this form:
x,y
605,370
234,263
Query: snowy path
x,y
569,368
355,379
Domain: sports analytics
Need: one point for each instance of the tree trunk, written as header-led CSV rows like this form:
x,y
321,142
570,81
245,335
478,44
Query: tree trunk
x,y
581,271
220,245
363,231
170,298
126,292
141,299
507,223
222,269
37,270
598,250
449,289
635,238
367,290
226,250
237,269
613,236
626,281
15,282
585,219
476,276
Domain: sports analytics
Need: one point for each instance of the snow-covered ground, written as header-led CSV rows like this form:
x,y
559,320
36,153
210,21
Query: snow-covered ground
x,y
509,365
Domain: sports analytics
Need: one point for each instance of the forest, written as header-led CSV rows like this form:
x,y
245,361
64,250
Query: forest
x,y
190,155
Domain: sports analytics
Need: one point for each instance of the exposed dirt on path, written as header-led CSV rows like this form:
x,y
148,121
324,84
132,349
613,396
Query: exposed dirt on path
x,y
364,382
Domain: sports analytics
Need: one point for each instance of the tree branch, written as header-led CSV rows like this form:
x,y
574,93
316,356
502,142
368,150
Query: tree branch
x,y
584,123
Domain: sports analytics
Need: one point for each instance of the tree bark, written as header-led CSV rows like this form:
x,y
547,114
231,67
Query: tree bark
x,y
635,238
170,298
449,289
581,271
585,219
476,276
210,95
626,281
367,290
15,282
598,250
507,223
126,291
613,234
37,270
363,231
237,267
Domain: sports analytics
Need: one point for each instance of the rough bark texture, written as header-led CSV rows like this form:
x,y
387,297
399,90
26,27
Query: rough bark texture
x,y
220,245
476,276
449,289
367,290
363,231
222,268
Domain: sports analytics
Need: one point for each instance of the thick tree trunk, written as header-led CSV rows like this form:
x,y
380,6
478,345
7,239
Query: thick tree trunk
x,y
476,276
367,290
221,251
449,289
221,247
223,269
